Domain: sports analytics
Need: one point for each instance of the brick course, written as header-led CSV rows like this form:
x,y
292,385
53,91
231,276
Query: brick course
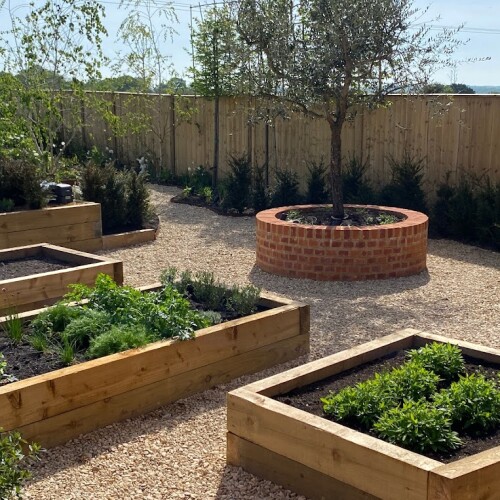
x,y
331,253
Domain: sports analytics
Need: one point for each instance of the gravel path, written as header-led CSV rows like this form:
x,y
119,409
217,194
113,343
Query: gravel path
x,y
178,452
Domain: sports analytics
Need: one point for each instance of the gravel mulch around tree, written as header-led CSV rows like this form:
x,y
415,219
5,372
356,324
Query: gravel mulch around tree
x,y
178,451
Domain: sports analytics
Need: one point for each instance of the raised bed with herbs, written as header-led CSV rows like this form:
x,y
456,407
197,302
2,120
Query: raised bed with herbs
x,y
53,407
441,422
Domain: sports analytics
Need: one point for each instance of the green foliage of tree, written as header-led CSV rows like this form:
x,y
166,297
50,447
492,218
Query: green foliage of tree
x,y
329,59
452,88
52,49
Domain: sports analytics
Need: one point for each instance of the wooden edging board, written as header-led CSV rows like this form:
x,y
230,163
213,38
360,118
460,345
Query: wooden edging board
x,y
37,290
127,239
60,405
321,459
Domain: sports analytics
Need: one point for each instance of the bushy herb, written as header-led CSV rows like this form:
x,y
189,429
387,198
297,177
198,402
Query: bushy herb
x,y
15,455
66,350
5,376
286,188
82,329
446,360
54,319
317,191
243,300
208,290
213,317
418,426
39,341
13,327
118,339
473,403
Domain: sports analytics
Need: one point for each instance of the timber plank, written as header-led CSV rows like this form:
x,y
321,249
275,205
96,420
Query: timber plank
x,y
333,364
46,395
127,239
288,473
49,217
57,429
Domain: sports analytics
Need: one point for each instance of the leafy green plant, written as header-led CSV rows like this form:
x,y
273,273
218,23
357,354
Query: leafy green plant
x,y
15,455
412,381
405,189
472,402
238,184
13,327
286,188
4,374
418,426
446,360
207,195
39,341
118,339
317,190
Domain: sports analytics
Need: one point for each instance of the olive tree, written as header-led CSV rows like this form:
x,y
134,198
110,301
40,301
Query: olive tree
x,y
330,58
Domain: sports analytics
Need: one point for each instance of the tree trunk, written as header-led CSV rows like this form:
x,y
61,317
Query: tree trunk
x,y
216,142
336,169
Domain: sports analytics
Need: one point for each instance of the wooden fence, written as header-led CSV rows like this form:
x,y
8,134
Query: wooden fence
x,y
453,134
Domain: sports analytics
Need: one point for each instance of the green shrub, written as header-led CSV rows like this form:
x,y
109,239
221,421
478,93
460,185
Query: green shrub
x,y
6,204
196,179
355,188
4,374
473,404
15,455
405,189
238,184
260,196
20,182
445,360
286,188
418,426
317,190
469,211
137,206
119,338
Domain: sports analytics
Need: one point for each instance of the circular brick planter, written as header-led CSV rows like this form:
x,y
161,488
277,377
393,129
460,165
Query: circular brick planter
x,y
332,253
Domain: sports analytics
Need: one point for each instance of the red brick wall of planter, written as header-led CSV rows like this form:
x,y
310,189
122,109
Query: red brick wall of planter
x,y
330,253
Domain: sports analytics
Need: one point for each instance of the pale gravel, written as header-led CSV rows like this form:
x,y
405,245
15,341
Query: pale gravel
x,y
178,451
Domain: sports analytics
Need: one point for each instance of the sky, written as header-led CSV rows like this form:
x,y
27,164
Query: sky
x,y
481,19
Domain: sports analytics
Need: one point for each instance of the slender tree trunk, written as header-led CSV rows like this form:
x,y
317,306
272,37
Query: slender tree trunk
x,y
336,169
216,142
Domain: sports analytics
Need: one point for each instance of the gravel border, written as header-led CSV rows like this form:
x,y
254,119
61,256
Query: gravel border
x,y
178,451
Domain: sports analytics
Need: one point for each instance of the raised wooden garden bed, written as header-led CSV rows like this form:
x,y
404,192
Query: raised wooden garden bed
x,y
322,459
60,405
75,225
41,289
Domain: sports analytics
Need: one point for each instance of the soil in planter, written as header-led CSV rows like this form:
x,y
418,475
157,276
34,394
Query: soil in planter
x,y
307,398
27,266
353,217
